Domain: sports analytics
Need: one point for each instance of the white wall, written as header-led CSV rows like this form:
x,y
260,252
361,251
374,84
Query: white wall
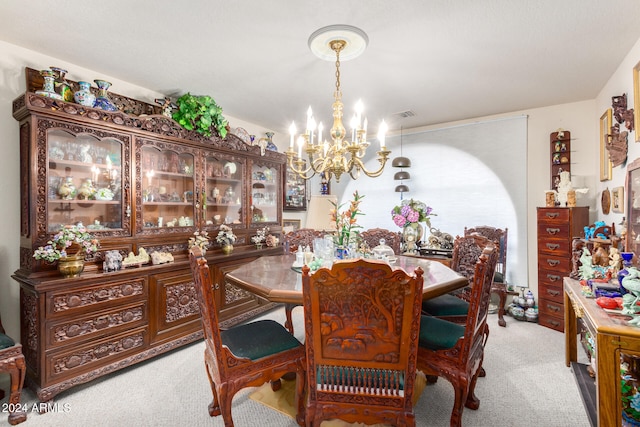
x,y
620,82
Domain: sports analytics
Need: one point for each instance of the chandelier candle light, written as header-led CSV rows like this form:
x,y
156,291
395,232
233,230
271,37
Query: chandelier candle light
x,y
340,155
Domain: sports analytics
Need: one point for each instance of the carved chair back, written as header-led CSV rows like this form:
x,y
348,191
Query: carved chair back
x,y
303,236
456,352
499,286
391,238
246,355
466,250
497,235
361,328
12,361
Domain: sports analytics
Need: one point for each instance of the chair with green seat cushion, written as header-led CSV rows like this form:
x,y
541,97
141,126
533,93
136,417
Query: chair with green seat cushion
x,y
12,361
454,351
499,285
362,321
454,307
247,355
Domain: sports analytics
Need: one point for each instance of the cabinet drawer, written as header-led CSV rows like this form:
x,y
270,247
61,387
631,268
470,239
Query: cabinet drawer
x,y
551,308
95,297
553,322
551,277
553,231
553,215
557,247
551,293
95,324
554,263
95,354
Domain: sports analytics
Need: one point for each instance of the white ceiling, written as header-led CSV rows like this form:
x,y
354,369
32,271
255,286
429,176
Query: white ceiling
x,y
444,60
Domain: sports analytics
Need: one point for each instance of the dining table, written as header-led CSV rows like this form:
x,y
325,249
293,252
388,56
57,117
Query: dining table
x,y
275,279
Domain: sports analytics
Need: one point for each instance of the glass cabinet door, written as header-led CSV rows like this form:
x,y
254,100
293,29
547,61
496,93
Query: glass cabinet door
x,y
84,179
223,190
265,180
167,188
295,192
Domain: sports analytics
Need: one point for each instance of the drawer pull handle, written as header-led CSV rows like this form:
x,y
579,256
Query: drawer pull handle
x,y
554,322
553,277
553,246
553,308
620,343
552,215
553,231
553,292
553,262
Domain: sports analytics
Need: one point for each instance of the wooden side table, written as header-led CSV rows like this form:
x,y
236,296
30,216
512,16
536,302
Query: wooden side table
x,y
613,339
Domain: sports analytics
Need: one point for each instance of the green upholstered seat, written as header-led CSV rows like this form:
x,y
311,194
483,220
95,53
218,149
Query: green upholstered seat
x,y
6,342
445,305
498,277
438,334
258,339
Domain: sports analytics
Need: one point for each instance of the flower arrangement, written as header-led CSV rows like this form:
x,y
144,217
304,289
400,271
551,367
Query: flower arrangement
x,y
68,238
225,236
346,222
411,211
199,239
272,241
261,236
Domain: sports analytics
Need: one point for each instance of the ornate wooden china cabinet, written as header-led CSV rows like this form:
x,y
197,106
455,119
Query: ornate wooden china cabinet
x,y
137,180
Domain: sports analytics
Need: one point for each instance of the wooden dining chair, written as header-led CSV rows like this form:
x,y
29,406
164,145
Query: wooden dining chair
x,y
293,240
499,286
455,351
247,355
372,236
361,329
12,361
455,306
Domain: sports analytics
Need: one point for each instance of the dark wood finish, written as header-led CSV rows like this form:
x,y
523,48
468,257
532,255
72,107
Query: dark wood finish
x,y
12,362
393,239
556,229
560,157
75,330
228,373
362,322
462,364
500,237
302,237
272,278
466,251
614,339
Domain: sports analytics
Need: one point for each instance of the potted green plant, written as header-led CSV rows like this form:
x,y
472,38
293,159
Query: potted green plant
x,y
200,113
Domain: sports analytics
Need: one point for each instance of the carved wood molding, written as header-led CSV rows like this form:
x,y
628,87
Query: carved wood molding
x,y
182,301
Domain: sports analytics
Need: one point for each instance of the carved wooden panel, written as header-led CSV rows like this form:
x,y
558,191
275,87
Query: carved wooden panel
x,y
95,352
181,301
101,294
97,323
29,326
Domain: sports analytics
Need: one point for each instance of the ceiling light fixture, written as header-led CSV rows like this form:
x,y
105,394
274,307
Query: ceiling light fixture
x,y
401,162
338,156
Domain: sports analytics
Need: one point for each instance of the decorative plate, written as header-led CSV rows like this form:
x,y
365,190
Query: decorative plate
x,y
231,166
606,201
243,135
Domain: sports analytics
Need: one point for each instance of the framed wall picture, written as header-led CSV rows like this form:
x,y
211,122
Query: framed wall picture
x,y
605,161
636,98
289,225
617,200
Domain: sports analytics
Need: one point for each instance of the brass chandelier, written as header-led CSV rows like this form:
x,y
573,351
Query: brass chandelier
x,y
338,156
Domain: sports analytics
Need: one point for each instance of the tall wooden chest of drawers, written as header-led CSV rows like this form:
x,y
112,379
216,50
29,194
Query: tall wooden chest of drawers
x,y
556,229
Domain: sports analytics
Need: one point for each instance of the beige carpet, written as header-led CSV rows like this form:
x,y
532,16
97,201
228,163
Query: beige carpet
x,y
283,400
